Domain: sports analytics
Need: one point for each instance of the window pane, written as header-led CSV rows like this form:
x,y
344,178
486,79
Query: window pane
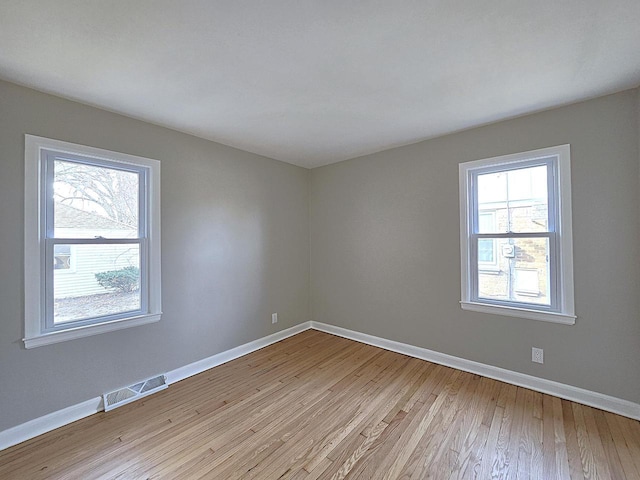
x,y
517,198
105,280
486,253
523,273
92,201
487,221
62,257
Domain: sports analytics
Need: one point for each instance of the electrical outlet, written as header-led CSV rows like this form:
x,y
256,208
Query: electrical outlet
x,y
537,355
274,318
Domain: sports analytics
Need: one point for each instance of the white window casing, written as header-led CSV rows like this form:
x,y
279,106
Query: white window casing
x,y
558,233
40,242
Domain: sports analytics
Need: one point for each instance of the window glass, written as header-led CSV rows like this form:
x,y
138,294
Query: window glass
x,y
518,197
486,246
524,272
94,201
106,282
62,257
485,251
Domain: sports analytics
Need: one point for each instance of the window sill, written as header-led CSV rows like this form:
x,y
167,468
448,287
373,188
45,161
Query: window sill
x,y
519,312
89,330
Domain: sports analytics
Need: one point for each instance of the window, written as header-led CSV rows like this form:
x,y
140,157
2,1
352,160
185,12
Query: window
x,y
516,243
62,257
92,241
487,247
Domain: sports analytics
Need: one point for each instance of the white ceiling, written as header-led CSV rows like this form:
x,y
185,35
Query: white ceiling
x,y
316,82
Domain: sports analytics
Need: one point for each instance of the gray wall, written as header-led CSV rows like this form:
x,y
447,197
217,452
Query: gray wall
x,y
385,254
235,248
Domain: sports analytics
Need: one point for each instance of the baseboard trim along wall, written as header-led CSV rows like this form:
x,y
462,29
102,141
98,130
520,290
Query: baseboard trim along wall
x,y
60,418
51,421
568,392
237,352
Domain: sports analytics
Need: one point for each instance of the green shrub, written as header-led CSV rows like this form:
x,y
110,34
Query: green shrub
x,y
123,280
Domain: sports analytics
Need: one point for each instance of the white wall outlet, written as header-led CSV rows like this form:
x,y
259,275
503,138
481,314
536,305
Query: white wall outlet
x,y
537,355
274,318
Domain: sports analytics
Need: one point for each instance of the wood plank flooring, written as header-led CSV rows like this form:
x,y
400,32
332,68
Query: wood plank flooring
x,y
316,406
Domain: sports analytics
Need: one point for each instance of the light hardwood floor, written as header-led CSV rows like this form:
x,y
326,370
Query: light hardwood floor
x,y
316,406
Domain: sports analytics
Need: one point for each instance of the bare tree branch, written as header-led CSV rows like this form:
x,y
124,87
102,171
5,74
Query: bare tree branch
x,y
114,192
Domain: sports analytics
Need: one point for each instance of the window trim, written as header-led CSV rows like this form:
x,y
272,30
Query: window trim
x,y
563,312
35,333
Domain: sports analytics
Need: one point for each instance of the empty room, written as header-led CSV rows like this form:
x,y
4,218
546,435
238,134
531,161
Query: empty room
x,y
319,240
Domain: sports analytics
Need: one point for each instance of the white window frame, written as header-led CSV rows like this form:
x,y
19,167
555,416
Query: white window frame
x,y
561,309
38,331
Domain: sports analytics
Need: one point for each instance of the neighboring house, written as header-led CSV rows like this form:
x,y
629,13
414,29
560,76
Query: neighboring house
x,y
515,269
76,265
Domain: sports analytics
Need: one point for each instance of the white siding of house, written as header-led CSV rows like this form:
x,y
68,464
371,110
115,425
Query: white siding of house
x,y
80,279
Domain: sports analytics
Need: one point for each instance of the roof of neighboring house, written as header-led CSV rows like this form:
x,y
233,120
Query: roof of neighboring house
x,y
71,217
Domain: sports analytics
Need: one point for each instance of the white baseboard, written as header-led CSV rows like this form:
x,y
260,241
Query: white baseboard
x,y
46,423
57,419
228,355
568,392
51,421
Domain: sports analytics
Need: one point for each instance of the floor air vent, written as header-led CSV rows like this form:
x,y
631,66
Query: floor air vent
x,y
134,392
